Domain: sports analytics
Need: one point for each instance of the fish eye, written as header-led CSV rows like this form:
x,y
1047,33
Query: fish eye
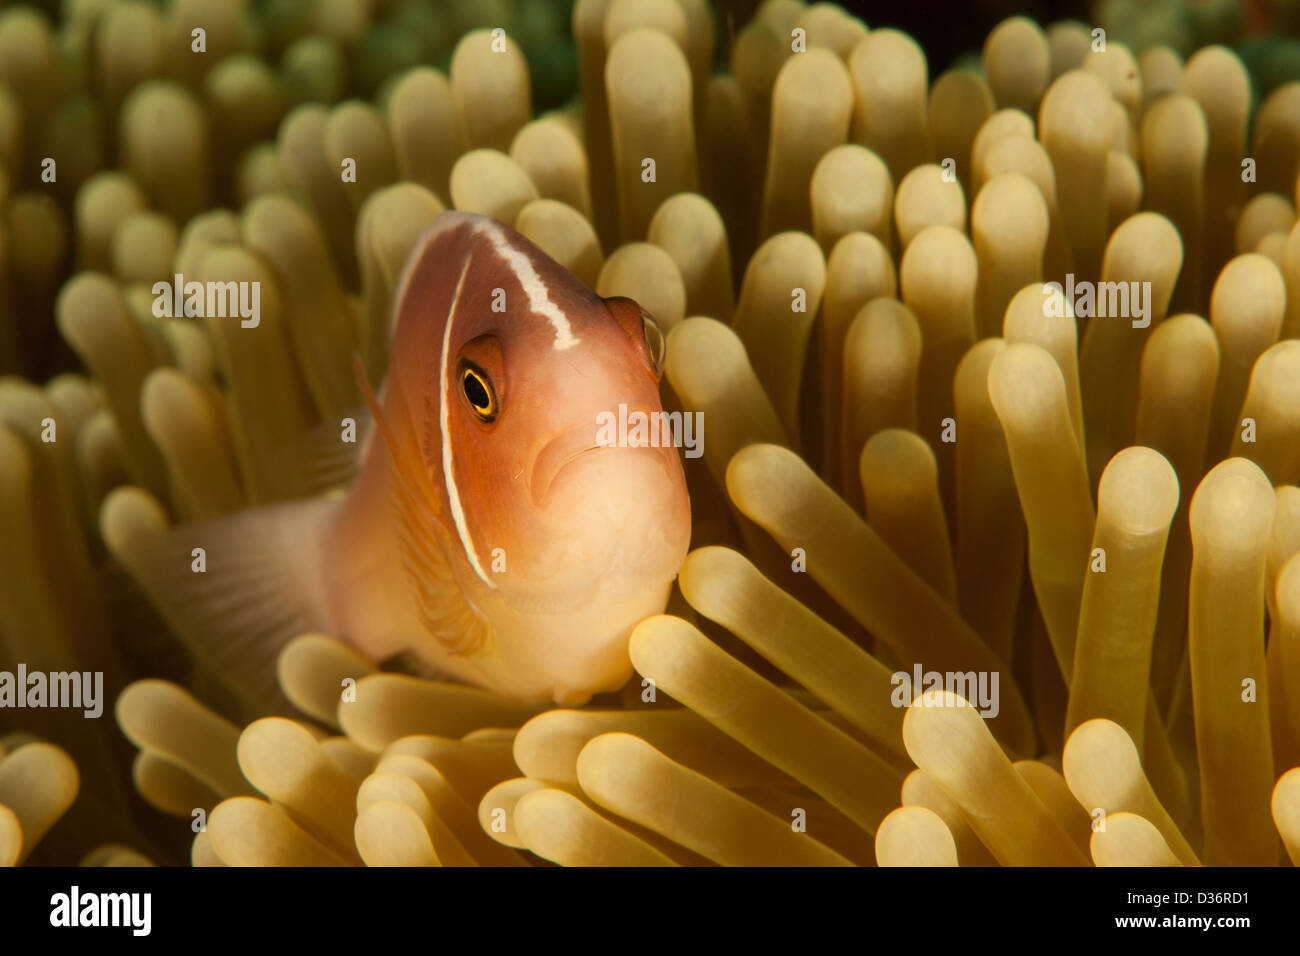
x,y
654,342
478,391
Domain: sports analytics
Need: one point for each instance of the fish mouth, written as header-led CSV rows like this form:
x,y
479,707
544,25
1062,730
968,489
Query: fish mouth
x,y
565,449
552,460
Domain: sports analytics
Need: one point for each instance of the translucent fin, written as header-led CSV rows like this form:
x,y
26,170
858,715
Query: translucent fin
x,y
255,585
321,456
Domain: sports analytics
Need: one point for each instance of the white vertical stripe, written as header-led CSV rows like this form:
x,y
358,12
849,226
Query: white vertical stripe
x,y
448,471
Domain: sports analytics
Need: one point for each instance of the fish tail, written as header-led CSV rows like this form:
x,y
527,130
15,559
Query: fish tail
x,y
235,589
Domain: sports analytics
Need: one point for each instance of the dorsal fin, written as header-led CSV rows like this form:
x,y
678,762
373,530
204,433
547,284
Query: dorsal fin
x,y
325,461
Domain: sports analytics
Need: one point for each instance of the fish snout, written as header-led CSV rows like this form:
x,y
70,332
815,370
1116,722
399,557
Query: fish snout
x,y
610,525
617,436
557,453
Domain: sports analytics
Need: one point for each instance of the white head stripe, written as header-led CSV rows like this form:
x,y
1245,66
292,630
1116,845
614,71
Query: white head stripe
x,y
448,472
539,299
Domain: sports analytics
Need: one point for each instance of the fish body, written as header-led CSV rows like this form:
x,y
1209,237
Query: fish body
x,y
490,530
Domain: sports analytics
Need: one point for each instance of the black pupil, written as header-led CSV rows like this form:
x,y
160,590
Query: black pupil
x,y
476,392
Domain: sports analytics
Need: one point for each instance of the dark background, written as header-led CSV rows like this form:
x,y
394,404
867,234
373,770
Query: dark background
x,y
944,28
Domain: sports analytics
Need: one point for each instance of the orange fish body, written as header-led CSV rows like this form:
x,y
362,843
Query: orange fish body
x,y
491,530
488,520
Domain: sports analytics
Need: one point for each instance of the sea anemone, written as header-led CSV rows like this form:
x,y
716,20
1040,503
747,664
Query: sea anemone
x,y
996,544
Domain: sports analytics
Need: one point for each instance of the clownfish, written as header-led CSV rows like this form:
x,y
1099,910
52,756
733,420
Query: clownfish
x,y
489,532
